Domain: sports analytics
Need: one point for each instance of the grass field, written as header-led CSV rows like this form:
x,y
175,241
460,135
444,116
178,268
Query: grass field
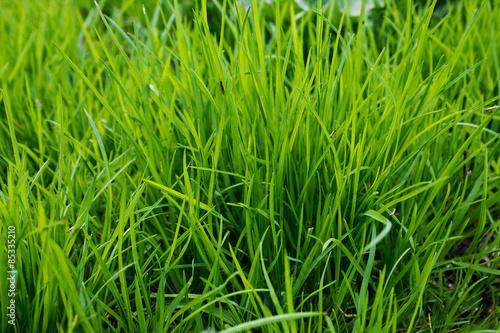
x,y
280,167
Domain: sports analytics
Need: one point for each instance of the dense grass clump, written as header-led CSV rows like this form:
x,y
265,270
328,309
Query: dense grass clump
x,y
278,167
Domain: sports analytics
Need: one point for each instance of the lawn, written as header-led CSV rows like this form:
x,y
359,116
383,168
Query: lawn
x,y
249,166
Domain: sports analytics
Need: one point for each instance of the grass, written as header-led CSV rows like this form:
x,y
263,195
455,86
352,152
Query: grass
x,y
183,167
